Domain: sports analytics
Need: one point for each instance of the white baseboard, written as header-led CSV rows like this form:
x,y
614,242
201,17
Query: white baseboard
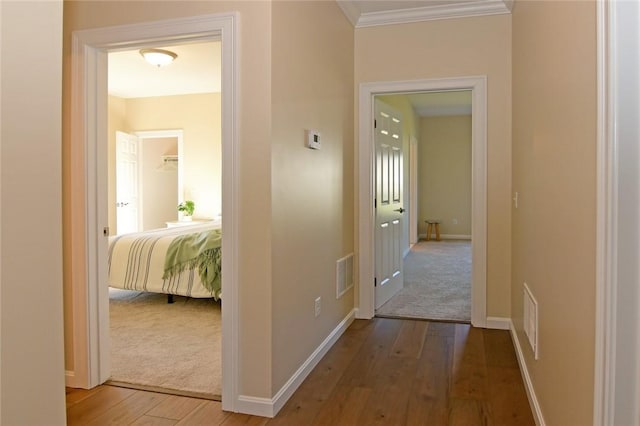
x,y
267,407
528,384
255,406
448,237
71,381
499,323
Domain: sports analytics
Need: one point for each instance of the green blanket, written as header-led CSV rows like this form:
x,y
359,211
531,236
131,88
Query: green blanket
x,y
201,250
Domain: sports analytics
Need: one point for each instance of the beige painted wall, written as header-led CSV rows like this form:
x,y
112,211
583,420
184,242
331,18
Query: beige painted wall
x,y
254,153
312,207
159,195
31,349
454,48
444,177
554,171
199,118
410,128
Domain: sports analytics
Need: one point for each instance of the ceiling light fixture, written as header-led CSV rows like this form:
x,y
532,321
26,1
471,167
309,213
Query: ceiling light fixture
x,y
158,57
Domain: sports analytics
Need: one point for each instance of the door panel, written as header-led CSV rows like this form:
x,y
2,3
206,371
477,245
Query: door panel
x,y
389,202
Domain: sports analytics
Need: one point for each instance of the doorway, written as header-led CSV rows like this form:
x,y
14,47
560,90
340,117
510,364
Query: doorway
x,y
89,103
436,245
150,170
366,201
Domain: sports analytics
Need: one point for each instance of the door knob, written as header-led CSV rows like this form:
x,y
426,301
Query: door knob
x,y
401,210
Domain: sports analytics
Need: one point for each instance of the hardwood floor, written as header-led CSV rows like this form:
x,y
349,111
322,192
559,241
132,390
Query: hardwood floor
x,y
380,372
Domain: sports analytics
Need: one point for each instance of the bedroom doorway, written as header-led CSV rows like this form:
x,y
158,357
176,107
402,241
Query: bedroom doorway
x,y
436,135
366,239
89,149
156,170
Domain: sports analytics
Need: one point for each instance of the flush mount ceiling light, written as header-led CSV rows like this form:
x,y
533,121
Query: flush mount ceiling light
x,y
158,57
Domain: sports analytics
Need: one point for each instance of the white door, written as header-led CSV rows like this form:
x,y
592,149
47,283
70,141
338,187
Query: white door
x,y
389,202
126,183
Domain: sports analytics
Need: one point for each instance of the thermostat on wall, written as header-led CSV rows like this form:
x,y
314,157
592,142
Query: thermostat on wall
x,y
313,139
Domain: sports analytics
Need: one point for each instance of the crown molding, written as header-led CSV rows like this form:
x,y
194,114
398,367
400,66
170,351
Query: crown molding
x,y
426,13
350,10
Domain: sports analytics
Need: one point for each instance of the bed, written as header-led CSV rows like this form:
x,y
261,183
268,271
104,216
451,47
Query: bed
x,y
181,261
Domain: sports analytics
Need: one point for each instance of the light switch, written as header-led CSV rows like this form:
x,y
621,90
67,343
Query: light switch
x,y
313,139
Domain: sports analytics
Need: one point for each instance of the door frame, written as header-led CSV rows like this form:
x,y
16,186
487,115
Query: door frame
x,y
88,180
366,211
617,298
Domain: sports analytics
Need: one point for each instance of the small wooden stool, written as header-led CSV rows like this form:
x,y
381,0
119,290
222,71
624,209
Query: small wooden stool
x,y
431,224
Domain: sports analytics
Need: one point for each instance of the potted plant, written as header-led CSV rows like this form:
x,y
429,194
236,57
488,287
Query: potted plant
x,y
186,208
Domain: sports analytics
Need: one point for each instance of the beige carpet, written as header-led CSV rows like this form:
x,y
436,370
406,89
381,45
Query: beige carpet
x,y
175,347
437,283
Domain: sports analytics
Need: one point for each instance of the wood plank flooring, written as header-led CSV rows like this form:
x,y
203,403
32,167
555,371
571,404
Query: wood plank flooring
x,y
380,372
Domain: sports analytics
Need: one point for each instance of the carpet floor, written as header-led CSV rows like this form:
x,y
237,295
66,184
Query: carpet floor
x,y
437,283
175,347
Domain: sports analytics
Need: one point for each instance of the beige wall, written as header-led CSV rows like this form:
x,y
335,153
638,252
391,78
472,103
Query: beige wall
x,y
199,117
444,176
410,128
554,171
159,195
312,227
31,350
455,48
254,154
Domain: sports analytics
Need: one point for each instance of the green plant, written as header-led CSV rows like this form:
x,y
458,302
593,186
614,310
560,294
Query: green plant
x,y
187,207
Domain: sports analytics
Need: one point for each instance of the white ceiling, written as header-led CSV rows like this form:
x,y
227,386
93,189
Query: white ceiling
x,y
433,104
197,67
195,70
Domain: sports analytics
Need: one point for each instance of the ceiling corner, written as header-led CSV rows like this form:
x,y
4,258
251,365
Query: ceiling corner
x,y
350,10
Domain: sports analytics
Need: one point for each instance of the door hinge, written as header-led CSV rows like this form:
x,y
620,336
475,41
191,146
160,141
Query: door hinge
x,y
375,203
375,124
375,282
105,231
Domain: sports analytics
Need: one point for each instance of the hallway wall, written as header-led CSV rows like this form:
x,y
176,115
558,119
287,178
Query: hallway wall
x,y
458,48
554,226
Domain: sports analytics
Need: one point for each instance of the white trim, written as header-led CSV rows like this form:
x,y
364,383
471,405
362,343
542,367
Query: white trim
x,y
413,190
270,407
435,12
70,380
478,85
528,384
88,118
604,374
499,323
449,236
616,384
255,406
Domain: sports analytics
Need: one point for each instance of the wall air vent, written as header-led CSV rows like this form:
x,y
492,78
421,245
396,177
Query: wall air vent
x,y
344,275
531,319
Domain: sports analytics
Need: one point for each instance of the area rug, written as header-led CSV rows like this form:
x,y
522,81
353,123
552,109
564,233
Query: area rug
x,y
437,283
160,346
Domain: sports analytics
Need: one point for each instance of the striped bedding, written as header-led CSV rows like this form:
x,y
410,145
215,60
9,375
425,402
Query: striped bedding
x,y
136,262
